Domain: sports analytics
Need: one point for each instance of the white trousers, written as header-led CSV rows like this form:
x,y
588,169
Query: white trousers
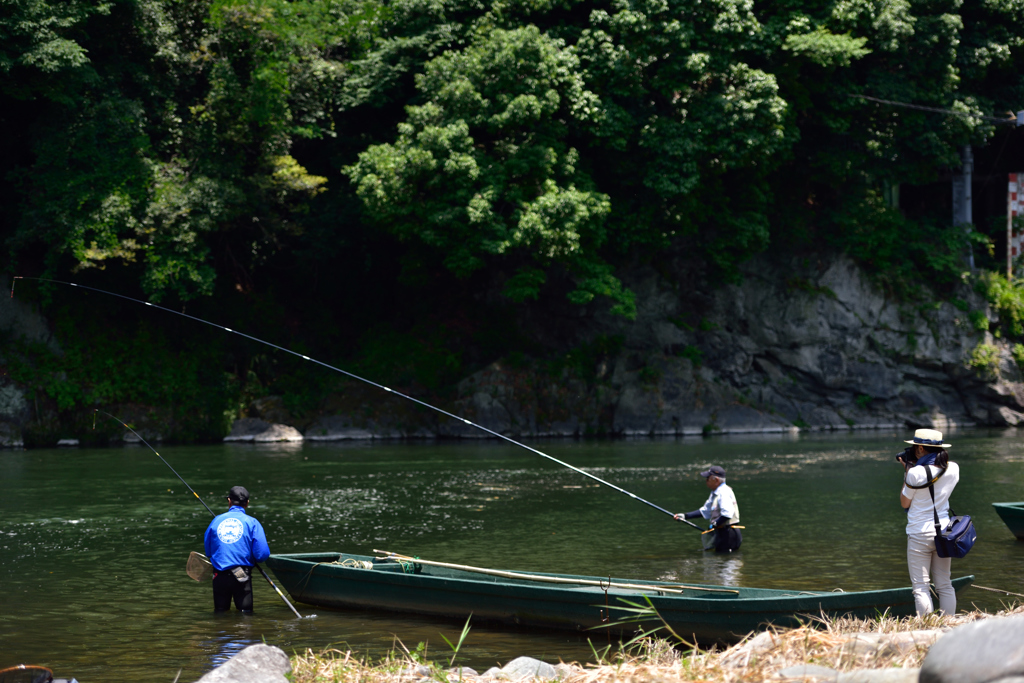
x,y
925,565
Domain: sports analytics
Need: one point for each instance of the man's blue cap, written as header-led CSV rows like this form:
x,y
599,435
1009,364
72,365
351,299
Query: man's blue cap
x,y
715,470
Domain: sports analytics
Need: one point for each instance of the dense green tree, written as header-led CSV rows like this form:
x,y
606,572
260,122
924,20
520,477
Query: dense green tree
x,y
518,138
293,152
169,134
691,127
486,168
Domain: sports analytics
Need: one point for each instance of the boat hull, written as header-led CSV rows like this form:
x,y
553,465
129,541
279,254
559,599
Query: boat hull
x,y
717,613
1012,515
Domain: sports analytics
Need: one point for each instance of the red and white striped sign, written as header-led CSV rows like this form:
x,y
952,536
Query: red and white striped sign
x,y
1014,208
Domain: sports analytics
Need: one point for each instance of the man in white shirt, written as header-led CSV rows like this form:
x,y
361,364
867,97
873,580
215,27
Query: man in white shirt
x,y
723,511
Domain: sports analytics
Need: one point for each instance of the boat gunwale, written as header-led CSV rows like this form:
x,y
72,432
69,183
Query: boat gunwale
x,y
1012,515
821,599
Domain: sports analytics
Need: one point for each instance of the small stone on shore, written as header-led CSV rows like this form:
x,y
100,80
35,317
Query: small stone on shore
x,y
255,664
526,668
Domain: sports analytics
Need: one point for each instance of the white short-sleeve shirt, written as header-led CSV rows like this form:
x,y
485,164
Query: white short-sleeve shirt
x,y
919,516
721,503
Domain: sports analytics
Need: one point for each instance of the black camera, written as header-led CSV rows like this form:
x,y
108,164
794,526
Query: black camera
x,y
907,455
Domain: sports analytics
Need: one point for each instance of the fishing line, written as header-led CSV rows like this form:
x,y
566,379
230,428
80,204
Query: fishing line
x,y
123,424
365,381
257,564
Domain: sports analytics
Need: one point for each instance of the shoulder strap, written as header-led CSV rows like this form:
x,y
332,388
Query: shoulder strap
x,y
931,481
931,491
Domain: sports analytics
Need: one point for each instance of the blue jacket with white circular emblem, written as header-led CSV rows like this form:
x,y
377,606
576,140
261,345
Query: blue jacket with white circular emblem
x,y
235,539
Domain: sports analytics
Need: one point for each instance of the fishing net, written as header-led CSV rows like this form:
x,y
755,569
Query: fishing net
x,y
26,674
198,568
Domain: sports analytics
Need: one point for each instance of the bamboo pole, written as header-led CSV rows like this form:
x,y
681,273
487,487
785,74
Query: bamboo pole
x,y
996,590
550,579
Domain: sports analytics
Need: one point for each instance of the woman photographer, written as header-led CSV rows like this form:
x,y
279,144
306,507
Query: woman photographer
x,y
926,462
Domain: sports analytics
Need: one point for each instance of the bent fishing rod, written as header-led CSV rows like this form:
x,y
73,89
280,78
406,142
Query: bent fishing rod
x,y
257,564
365,381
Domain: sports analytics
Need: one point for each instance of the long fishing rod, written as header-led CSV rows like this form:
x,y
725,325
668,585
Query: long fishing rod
x,y
366,381
125,425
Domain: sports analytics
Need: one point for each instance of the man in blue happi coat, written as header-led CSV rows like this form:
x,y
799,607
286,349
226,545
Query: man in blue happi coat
x,y
234,542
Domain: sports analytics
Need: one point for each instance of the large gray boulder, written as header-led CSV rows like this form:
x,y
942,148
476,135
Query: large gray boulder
x,y
255,664
255,430
979,652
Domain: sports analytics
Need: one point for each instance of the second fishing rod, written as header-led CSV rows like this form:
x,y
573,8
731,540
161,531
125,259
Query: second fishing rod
x,y
351,375
192,491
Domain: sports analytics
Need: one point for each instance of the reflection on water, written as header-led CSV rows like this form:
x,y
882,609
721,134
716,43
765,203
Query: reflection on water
x,y
93,543
724,570
711,568
226,644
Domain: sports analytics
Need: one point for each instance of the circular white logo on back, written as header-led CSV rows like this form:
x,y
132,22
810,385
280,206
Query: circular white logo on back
x,y
230,530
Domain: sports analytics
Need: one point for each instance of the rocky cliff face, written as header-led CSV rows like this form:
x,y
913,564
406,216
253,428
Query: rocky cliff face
x,y
792,347
18,320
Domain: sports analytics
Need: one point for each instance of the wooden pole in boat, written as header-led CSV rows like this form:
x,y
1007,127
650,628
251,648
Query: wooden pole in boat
x,y
257,564
984,588
354,376
675,588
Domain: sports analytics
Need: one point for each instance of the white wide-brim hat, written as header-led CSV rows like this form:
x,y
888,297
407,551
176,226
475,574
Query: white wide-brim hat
x,y
929,437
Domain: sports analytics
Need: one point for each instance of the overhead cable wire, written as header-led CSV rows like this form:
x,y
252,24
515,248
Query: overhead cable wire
x,y
938,110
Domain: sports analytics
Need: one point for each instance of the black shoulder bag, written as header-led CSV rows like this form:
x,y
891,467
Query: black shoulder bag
x,y
959,535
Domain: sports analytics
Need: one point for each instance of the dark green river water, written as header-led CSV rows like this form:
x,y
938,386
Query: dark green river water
x,y
93,543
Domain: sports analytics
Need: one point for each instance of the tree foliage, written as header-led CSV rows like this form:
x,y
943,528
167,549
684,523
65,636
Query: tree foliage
x,y
171,132
532,142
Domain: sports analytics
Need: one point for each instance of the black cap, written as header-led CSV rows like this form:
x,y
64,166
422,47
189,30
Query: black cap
x,y
238,494
715,470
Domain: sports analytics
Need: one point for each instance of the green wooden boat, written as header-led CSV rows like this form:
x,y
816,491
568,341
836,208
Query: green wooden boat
x,y
561,601
1012,515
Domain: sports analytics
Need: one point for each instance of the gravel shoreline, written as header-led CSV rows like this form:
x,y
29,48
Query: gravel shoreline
x,y
883,650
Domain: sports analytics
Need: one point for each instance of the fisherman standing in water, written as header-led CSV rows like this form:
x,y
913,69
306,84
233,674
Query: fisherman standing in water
x,y
723,511
234,542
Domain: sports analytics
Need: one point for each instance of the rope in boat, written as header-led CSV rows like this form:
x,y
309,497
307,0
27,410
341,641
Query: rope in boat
x,y
351,562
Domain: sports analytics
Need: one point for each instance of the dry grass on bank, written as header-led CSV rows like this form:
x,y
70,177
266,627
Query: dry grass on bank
x,y
843,644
